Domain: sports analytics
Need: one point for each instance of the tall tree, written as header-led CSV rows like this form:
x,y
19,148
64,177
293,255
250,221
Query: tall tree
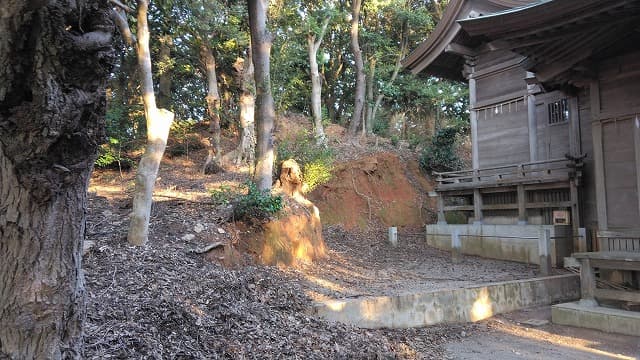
x,y
247,102
158,125
261,41
54,63
314,40
360,91
212,164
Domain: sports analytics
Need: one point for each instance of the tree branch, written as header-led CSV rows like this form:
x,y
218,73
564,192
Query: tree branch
x,y
121,5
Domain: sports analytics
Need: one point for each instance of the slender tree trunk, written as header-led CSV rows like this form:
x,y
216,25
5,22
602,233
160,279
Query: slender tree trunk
x,y
313,45
52,105
261,41
370,103
158,125
164,75
247,104
212,164
360,90
404,45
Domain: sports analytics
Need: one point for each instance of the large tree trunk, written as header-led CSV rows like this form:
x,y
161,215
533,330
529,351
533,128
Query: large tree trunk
x,y
261,41
212,164
313,45
52,104
360,91
247,104
158,125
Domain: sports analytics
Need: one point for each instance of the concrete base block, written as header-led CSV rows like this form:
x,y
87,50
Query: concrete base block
x,y
597,317
460,305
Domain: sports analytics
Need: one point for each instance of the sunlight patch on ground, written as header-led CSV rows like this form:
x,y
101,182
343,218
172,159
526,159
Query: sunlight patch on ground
x,y
562,340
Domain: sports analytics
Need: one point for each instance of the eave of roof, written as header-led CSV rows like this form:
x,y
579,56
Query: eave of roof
x,y
560,37
430,56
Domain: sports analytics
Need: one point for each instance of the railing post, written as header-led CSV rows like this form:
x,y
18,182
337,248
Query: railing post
x,y
544,246
477,206
582,239
456,246
522,209
587,283
441,218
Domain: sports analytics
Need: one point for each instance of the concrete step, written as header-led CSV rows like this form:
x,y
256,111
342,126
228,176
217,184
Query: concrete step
x,y
597,317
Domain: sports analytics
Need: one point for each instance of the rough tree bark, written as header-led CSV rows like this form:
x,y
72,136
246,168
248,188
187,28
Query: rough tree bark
x,y
360,90
313,45
55,59
247,103
158,125
212,164
261,41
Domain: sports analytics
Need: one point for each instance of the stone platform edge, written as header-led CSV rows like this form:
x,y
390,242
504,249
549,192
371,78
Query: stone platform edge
x,y
467,304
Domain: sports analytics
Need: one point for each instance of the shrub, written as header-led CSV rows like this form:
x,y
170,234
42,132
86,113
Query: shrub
x,y
256,204
440,154
316,161
248,202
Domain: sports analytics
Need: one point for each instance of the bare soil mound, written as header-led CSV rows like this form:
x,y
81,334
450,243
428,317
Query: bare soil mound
x,y
375,189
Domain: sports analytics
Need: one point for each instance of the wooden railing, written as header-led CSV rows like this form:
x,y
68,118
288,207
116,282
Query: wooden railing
x,y
535,171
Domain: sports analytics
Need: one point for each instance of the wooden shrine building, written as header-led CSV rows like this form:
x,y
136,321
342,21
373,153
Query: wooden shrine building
x,y
555,114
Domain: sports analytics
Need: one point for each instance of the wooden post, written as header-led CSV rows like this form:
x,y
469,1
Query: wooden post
x,y
477,206
575,217
598,156
442,220
582,240
532,121
544,246
456,246
473,117
522,210
587,283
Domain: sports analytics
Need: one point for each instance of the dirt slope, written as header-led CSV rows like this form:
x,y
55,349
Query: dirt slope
x,y
375,189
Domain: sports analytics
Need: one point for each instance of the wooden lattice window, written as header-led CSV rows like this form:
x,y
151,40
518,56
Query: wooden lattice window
x,y
558,112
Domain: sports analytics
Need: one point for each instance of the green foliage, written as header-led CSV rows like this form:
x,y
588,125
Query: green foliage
x,y
381,126
440,154
182,138
316,161
109,156
248,202
395,140
224,195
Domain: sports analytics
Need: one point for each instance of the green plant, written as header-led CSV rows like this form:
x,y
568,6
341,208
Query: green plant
x,y
395,140
110,156
440,154
223,195
316,161
256,204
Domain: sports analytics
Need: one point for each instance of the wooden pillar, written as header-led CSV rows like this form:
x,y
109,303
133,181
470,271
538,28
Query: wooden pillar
x,y
441,218
532,121
477,206
636,140
473,116
598,156
579,244
522,209
587,283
